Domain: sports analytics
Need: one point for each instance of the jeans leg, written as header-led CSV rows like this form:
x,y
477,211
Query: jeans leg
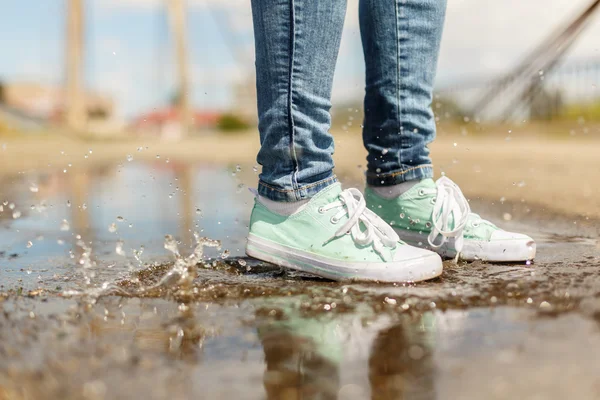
x,y
297,44
401,40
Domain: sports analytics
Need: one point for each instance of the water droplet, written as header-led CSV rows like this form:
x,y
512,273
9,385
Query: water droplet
x,y
225,254
29,244
112,228
506,216
119,248
64,225
391,301
242,262
120,219
384,151
33,188
16,214
545,305
198,211
171,245
129,157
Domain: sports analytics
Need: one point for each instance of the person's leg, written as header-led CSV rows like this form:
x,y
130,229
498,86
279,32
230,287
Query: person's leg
x,y
297,43
302,219
401,40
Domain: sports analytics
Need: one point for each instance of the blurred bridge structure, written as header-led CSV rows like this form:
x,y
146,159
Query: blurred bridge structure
x,y
538,87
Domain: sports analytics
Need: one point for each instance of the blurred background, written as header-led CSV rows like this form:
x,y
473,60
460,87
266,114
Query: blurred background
x,y
90,87
128,67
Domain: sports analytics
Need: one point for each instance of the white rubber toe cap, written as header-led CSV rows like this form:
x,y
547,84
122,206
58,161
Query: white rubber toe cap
x,y
503,246
415,264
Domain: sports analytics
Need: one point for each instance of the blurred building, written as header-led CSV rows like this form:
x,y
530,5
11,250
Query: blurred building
x,y
166,123
48,102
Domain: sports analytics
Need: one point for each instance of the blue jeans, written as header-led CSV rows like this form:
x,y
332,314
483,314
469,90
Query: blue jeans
x,y
297,43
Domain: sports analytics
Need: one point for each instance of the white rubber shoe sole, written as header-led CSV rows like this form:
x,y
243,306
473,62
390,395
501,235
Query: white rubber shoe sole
x,y
510,247
417,265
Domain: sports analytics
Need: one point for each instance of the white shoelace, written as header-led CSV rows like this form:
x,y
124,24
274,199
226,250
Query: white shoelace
x,y
449,202
352,203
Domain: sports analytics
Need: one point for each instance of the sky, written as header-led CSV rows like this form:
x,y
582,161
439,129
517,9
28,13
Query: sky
x,y
129,54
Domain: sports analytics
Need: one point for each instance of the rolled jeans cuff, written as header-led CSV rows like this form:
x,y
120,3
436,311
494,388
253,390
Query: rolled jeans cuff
x,y
289,195
399,176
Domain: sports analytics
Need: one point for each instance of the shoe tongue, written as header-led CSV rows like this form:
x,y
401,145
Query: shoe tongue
x,y
426,183
327,195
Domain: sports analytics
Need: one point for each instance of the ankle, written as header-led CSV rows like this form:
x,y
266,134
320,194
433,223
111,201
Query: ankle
x,y
285,208
393,191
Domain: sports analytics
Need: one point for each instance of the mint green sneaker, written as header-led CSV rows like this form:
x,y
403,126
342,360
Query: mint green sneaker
x,y
335,236
437,216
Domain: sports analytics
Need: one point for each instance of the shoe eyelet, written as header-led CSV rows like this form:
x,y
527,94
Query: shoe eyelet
x,y
432,200
421,192
320,210
334,220
428,224
475,224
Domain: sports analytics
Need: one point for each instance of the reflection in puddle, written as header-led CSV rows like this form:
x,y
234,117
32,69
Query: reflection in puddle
x,y
153,348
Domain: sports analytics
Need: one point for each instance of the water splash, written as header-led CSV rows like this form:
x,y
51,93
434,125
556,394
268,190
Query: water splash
x,y
179,278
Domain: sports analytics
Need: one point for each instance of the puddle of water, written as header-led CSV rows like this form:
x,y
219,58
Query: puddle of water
x,y
157,349
238,328
135,203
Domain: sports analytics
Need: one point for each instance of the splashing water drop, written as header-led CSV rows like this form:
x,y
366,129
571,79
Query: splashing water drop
x,y
119,248
64,225
225,254
171,245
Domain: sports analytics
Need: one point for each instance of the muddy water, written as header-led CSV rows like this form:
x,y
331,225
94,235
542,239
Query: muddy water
x,y
243,329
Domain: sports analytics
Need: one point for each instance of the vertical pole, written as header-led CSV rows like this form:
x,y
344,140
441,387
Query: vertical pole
x,y
178,29
75,102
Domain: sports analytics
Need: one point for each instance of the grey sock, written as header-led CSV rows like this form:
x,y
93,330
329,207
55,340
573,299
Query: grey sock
x,y
390,192
286,208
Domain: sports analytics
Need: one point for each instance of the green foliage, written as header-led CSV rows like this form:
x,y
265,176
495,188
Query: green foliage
x,y
232,123
588,112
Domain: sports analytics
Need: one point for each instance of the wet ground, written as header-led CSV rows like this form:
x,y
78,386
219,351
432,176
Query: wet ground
x,y
94,306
